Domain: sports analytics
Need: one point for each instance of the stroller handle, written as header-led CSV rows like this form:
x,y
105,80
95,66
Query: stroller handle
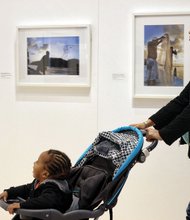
x,y
153,143
146,151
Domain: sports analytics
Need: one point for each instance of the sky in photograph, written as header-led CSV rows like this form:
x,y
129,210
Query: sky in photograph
x,y
175,32
59,47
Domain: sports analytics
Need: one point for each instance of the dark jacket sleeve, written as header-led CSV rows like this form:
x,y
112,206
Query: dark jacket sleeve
x,y
48,196
22,191
173,120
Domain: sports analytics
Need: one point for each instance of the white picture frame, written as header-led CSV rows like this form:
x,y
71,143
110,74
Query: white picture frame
x,y
57,56
172,29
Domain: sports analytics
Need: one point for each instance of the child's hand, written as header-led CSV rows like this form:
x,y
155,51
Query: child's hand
x,y
4,195
11,208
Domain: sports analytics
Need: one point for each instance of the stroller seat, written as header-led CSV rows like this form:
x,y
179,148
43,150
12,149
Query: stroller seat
x,y
99,175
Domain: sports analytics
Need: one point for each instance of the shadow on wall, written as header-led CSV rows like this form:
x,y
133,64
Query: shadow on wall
x,y
53,94
149,102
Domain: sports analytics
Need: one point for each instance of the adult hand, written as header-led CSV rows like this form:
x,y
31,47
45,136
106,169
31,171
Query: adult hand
x,y
152,134
141,125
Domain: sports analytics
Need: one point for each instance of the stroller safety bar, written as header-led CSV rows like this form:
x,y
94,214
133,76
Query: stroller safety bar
x,y
3,204
46,214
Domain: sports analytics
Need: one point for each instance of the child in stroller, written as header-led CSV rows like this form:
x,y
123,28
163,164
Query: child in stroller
x,y
49,188
99,175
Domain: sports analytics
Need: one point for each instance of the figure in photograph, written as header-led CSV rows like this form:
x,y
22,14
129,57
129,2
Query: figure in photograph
x,y
151,62
163,54
43,64
168,61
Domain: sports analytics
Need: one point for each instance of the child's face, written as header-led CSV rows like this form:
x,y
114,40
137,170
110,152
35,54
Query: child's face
x,y
39,171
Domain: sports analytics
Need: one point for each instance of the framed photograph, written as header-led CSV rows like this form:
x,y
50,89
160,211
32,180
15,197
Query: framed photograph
x,y
53,56
161,54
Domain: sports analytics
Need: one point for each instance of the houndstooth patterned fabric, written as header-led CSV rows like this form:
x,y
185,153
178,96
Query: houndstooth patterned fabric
x,y
114,146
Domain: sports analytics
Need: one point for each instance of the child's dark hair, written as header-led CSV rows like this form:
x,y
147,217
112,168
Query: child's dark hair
x,y
58,164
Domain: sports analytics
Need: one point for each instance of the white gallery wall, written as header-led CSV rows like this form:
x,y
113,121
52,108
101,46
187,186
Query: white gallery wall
x,y
35,119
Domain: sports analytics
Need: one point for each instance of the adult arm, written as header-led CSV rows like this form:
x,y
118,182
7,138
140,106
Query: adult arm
x,y
173,120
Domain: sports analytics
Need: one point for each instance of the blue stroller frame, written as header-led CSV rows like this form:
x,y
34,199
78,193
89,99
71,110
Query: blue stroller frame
x,y
99,175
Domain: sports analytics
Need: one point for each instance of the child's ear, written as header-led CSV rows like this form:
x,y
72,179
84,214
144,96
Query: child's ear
x,y
45,174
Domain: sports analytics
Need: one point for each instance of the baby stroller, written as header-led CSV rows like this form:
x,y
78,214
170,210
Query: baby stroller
x,y
99,175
